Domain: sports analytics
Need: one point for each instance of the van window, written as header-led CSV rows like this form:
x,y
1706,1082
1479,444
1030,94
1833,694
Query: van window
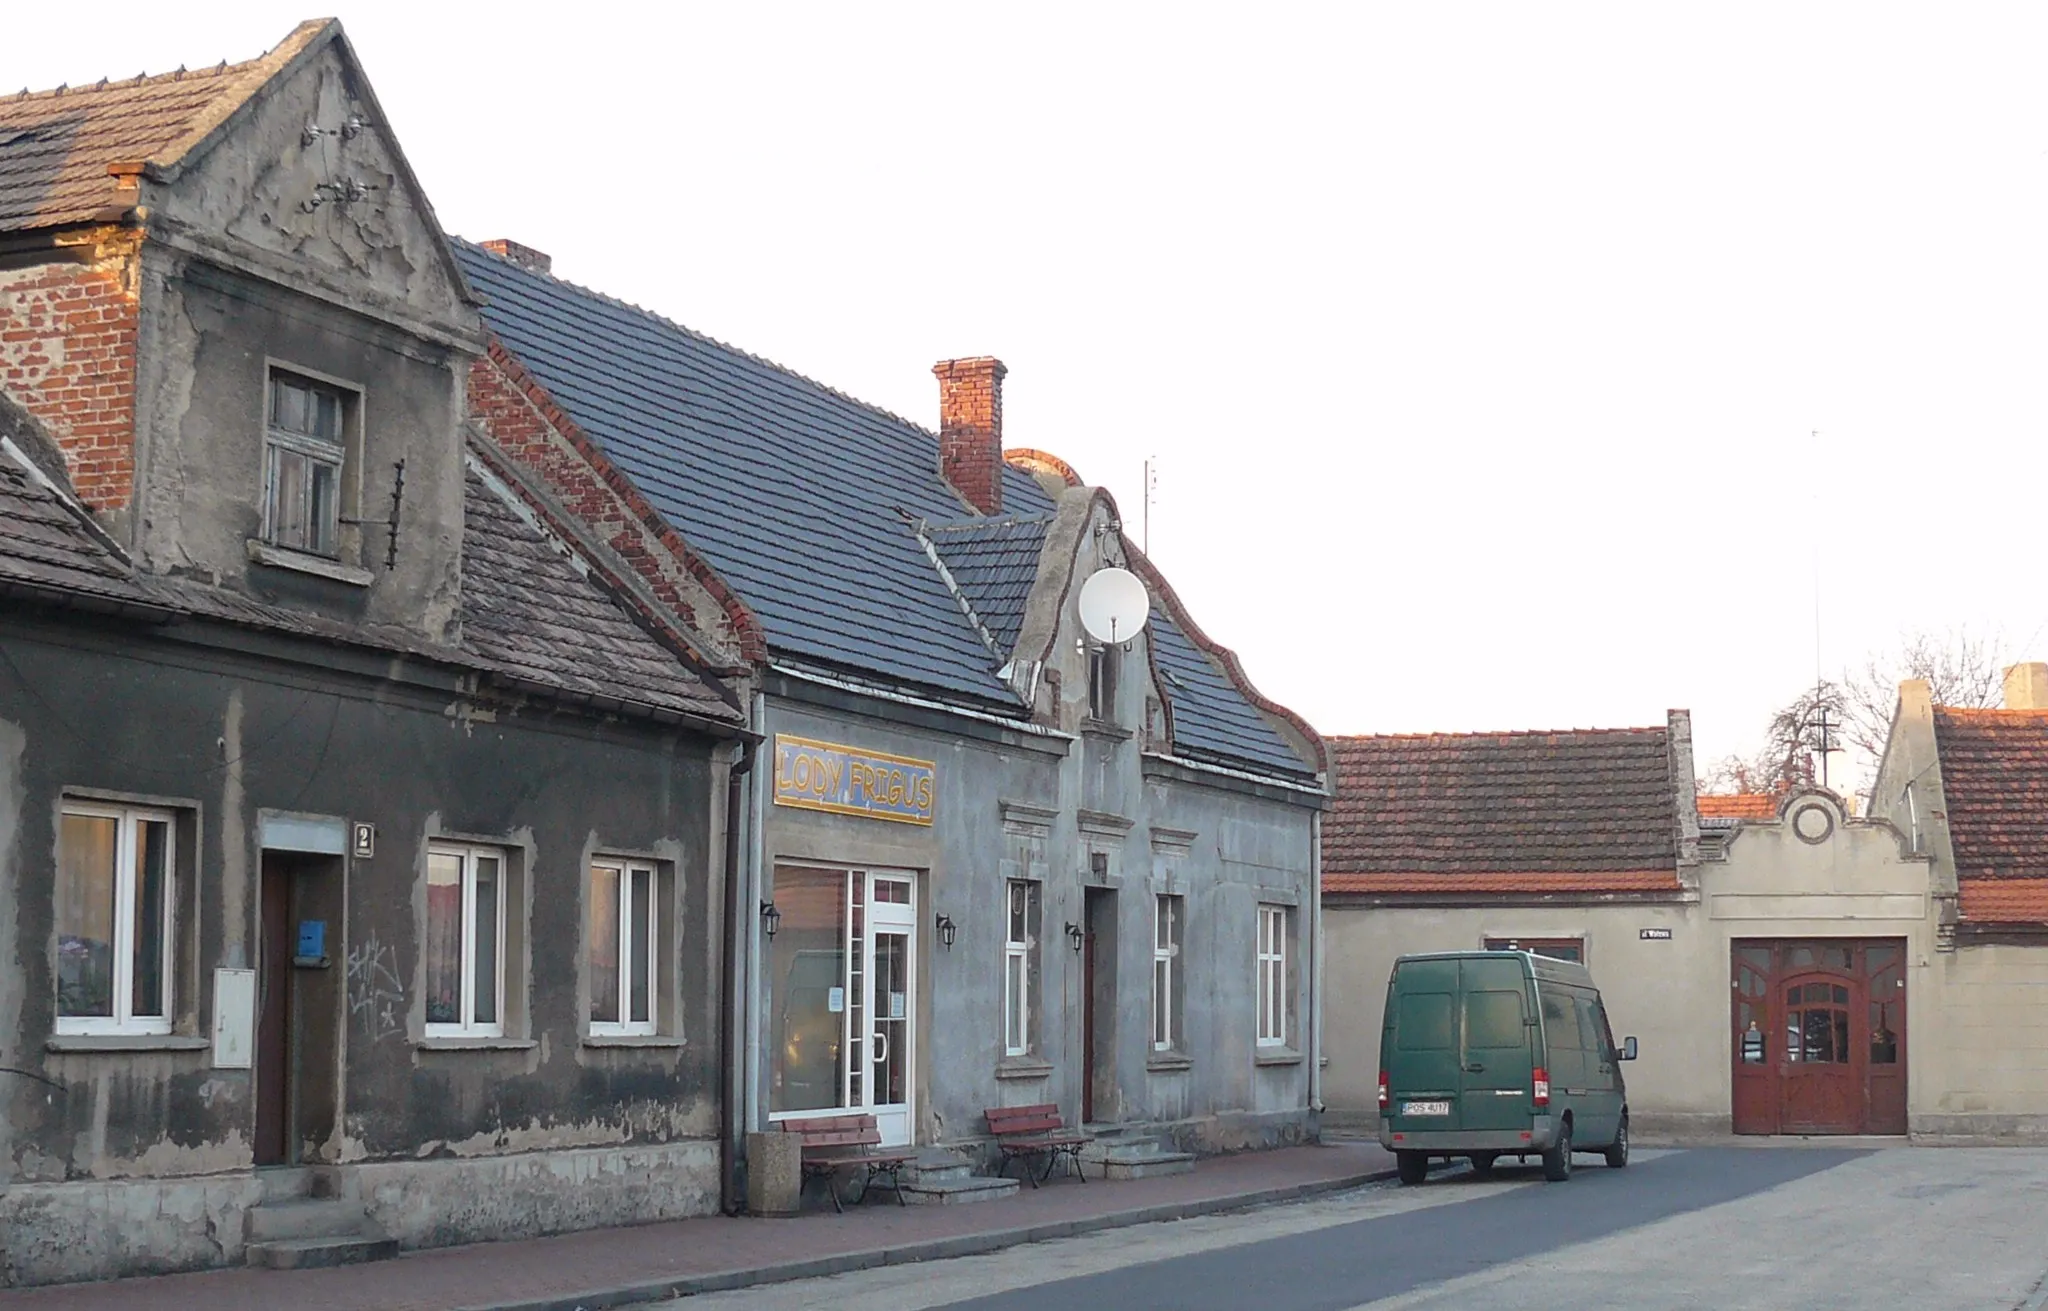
x,y
1424,1022
1558,1022
1589,1029
1493,1019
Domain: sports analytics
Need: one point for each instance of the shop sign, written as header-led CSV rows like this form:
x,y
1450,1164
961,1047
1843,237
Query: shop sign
x,y
844,780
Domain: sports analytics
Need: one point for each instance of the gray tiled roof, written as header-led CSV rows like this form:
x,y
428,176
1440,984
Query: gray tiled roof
x,y
798,496
44,548
529,608
1210,715
794,493
995,562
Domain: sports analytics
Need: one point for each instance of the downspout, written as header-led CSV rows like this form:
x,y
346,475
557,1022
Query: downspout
x,y
732,1198
757,843
1315,947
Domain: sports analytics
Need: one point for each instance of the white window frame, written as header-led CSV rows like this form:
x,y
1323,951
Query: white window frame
x,y
1272,967
1019,944
308,447
625,869
467,1027
1166,969
123,1020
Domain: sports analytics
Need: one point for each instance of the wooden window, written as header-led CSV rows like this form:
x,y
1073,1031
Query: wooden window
x,y
115,888
302,465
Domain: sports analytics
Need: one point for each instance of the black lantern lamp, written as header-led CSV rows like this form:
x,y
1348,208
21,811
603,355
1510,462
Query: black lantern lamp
x,y
946,931
1074,935
771,918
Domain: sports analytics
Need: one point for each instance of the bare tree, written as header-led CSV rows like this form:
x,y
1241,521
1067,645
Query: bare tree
x,y
1796,743
1962,668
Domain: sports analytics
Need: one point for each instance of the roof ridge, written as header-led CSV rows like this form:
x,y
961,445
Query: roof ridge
x,y
223,70
1339,738
991,521
704,337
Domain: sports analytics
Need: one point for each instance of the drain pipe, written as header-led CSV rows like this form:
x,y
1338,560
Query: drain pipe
x,y
731,1198
1316,1000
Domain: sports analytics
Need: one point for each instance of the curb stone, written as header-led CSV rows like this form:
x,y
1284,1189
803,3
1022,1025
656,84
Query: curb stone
x,y
936,1249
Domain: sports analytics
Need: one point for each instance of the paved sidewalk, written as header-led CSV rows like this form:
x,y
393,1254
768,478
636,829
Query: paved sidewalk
x,y
617,1267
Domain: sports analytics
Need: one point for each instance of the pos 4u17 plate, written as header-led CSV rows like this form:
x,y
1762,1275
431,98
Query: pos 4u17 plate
x,y
1425,1108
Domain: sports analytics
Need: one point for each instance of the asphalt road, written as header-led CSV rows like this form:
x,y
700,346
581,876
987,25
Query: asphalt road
x,y
1733,1228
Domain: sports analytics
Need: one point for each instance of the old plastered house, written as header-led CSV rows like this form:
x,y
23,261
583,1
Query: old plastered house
x,y
1768,954
991,860
362,824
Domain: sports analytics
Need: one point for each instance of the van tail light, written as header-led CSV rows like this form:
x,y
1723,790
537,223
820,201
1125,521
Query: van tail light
x,y
1386,1098
1541,1079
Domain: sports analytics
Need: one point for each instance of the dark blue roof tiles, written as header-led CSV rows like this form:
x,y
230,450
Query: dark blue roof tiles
x,y
995,563
1210,715
795,493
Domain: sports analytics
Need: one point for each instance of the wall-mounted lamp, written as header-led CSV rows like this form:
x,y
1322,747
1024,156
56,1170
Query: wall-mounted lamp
x,y
1074,935
946,931
771,918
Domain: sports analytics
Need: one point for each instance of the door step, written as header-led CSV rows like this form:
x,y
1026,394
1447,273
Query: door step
x,y
311,1216
1125,1156
941,1177
304,1253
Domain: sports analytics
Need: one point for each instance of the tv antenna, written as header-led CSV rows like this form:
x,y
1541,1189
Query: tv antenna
x,y
1151,487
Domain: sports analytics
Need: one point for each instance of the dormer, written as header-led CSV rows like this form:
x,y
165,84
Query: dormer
x,y
230,304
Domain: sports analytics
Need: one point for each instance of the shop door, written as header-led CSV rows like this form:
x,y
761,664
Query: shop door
x,y
1821,1089
843,983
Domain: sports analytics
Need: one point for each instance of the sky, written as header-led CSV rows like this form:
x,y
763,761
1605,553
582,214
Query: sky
x,y
1505,366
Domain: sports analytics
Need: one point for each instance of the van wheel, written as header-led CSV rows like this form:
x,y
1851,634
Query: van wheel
x,y
1413,1167
1557,1162
1482,1163
1617,1155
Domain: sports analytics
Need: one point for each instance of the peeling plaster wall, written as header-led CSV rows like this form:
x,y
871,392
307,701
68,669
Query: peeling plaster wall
x,y
152,1146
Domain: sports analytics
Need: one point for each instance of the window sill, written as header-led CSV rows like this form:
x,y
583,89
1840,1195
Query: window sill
x,y
125,1042
1105,728
1276,1056
278,557
451,1043
1023,1067
633,1040
1169,1062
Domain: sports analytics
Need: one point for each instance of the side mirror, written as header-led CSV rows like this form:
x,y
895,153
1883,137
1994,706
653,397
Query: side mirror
x,y
1628,1049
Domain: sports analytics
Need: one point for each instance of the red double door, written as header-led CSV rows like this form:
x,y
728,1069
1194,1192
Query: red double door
x,y
1819,1036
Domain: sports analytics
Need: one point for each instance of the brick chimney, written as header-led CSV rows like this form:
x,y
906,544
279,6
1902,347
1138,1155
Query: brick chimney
x,y
971,429
526,257
2026,687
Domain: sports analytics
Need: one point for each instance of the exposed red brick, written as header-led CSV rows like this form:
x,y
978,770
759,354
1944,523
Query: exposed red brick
x,y
971,429
67,354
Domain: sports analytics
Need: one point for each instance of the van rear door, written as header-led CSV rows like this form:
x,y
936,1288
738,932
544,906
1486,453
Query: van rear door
x,y
1497,1067
1419,1046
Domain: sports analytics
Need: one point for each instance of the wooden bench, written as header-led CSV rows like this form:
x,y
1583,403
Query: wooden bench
x,y
1023,1132
846,1142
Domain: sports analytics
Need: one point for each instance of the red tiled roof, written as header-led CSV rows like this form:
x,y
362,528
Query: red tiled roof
x,y
1583,810
2005,901
1994,775
1739,805
55,146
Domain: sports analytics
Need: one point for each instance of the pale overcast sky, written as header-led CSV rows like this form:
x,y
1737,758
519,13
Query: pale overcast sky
x,y
1479,345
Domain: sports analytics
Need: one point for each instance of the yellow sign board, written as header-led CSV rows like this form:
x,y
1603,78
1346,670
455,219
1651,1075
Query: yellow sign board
x,y
843,780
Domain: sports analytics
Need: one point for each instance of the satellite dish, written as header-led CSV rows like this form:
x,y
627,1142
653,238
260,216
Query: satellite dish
x,y
1114,606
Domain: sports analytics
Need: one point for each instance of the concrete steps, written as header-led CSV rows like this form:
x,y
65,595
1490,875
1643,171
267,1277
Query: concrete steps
x,y
311,1216
1121,1154
943,1178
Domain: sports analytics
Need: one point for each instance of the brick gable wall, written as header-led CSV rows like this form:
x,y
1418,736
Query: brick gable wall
x,y
524,424
67,354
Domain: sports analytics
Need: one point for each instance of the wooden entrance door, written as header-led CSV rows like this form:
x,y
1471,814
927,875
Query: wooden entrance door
x,y
1821,1087
273,1016
1098,1006
1819,1036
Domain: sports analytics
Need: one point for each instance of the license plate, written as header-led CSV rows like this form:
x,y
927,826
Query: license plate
x,y
1425,1108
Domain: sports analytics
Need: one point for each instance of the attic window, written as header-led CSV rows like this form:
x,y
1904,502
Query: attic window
x,y
303,450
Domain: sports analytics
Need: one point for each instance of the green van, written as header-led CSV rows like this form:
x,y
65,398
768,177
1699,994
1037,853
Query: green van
x,y
1485,1054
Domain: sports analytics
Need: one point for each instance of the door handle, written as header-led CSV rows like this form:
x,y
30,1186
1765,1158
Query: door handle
x,y
880,1042
1475,1068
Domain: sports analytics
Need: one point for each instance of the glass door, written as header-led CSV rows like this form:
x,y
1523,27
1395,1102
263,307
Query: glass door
x,y
842,980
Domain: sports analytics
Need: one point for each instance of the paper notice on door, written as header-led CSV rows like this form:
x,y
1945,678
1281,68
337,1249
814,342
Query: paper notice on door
x,y
835,1000
895,1005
